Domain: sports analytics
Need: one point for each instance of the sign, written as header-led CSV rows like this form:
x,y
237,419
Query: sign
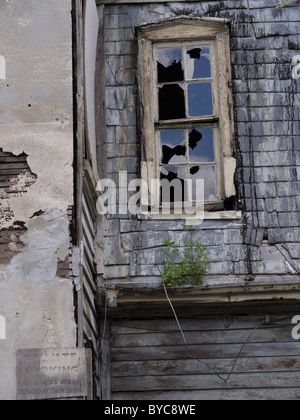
x,y
51,373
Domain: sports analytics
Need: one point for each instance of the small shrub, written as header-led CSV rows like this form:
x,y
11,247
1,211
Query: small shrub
x,y
187,268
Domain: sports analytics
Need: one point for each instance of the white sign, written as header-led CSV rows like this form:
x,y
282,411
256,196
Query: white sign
x,y
2,328
52,373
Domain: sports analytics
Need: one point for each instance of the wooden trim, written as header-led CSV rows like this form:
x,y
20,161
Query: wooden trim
x,y
182,30
78,92
188,122
214,290
187,29
106,363
100,100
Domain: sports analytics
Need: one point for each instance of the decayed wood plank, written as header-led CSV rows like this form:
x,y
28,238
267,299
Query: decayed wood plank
x,y
14,171
16,165
205,351
91,317
205,337
194,382
170,325
105,363
216,395
12,159
199,325
193,367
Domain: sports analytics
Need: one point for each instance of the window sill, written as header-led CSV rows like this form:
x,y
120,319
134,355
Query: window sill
x,y
218,215
131,296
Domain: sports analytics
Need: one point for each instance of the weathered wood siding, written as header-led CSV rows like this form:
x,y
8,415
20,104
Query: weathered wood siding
x,y
150,361
90,317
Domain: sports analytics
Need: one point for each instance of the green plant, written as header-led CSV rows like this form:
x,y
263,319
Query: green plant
x,y
187,268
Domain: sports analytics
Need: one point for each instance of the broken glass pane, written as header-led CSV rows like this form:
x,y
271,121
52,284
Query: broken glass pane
x,y
200,99
201,145
172,146
198,64
171,102
207,173
169,65
173,180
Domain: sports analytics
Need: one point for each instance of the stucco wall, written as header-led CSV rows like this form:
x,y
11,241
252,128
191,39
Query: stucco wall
x,y
36,118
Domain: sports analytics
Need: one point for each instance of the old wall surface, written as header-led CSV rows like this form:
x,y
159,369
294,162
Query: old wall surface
x,y
265,242
36,293
150,362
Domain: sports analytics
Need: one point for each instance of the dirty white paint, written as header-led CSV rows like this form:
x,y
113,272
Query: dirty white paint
x,y
50,156
36,118
2,328
46,240
2,68
229,170
36,41
38,315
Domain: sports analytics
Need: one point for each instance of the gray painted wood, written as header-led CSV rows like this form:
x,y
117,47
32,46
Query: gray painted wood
x,y
150,361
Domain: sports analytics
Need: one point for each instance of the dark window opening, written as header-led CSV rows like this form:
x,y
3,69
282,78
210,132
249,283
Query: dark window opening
x,y
171,102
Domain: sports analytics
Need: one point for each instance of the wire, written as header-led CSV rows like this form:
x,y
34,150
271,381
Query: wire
x,y
201,361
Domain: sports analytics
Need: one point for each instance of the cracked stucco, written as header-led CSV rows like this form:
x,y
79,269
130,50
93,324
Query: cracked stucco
x,y
46,240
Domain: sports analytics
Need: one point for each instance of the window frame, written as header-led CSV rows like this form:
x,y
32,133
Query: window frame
x,y
179,32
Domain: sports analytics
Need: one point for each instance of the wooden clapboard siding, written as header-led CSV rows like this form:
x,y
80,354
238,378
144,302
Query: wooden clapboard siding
x,y
217,395
90,317
11,166
150,361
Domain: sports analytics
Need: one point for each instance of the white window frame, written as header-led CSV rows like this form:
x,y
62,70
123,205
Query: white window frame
x,y
214,32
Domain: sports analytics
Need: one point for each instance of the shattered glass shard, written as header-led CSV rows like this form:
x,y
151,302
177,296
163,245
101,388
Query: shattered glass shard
x,y
169,65
173,148
176,191
195,53
194,138
201,145
198,63
208,174
194,170
169,153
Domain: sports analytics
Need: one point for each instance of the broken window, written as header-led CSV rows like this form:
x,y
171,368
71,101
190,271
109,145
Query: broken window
x,y
192,95
189,155
186,109
190,151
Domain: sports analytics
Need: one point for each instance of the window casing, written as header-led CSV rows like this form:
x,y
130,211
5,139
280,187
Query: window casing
x,y
186,113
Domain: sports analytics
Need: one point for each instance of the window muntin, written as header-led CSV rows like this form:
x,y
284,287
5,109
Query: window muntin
x,y
185,76
190,66
189,154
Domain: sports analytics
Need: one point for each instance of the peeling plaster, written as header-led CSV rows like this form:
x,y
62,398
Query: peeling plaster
x,y
49,150
45,241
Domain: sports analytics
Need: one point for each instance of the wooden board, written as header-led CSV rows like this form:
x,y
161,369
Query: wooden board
x,y
149,359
